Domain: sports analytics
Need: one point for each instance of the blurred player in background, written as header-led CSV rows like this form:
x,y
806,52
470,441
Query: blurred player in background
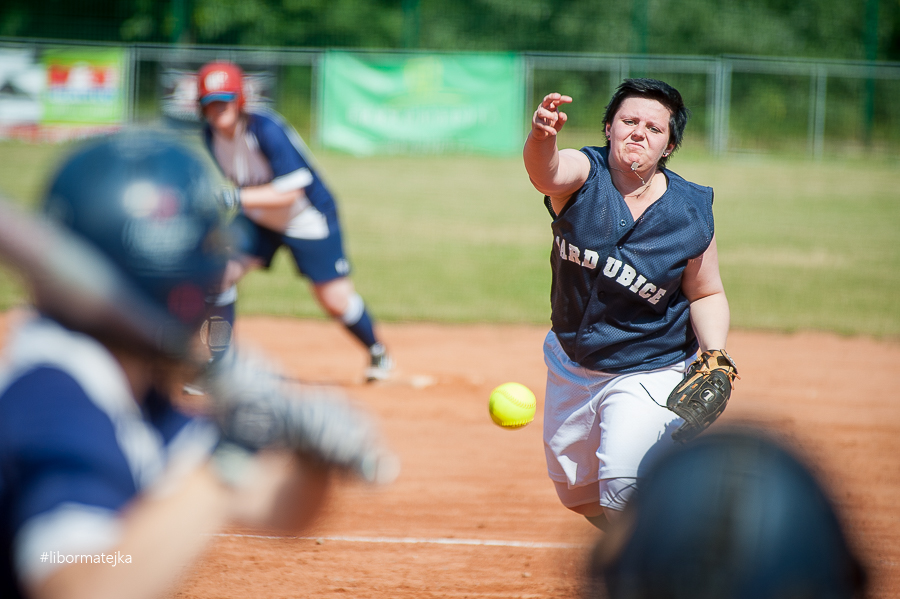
x,y
635,292
282,202
733,515
107,489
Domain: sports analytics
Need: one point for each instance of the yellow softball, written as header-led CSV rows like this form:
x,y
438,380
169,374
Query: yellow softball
x,y
512,405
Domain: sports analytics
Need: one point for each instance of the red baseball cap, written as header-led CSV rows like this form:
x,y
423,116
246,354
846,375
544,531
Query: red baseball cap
x,y
220,81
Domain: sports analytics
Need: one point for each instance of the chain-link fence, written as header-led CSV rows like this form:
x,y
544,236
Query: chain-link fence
x,y
738,103
744,103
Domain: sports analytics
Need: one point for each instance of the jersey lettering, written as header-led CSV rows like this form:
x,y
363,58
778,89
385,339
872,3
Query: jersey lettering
x,y
655,299
574,254
647,290
637,284
612,267
629,277
625,274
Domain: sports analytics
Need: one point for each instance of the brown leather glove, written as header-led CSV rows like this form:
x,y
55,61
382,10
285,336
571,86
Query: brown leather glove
x,y
701,396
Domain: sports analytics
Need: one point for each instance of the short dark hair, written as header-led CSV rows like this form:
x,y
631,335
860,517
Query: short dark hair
x,y
734,514
663,93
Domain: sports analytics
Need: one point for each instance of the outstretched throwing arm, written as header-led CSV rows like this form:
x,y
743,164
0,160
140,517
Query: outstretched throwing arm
x,y
555,173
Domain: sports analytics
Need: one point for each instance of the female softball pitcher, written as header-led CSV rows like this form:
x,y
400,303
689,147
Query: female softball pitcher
x,y
635,292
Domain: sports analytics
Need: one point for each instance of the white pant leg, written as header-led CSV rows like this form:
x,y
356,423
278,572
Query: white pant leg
x,y
600,427
635,424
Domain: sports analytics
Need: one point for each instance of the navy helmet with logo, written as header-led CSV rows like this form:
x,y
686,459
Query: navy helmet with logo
x,y
148,203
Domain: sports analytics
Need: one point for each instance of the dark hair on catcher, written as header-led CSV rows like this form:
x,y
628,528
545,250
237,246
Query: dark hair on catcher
x,y
731,515
657,90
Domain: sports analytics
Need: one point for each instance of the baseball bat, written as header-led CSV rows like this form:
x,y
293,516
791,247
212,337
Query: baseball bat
x,y
81,288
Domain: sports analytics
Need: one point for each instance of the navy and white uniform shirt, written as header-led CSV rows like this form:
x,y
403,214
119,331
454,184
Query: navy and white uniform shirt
x,y
75,449
266,149
616,298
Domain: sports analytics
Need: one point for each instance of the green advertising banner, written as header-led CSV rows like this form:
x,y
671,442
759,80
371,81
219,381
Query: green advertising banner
x,y
432,103
85,86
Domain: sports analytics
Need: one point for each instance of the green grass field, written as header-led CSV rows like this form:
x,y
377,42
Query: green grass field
x,y
803,245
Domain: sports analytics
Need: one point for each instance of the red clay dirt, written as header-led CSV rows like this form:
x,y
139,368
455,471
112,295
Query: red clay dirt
x,y
473,513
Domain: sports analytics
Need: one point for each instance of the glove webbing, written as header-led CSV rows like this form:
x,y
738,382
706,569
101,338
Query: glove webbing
x,y
723,360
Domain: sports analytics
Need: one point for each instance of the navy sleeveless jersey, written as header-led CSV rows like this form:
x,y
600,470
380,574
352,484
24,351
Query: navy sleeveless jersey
x,y
286,153
616,298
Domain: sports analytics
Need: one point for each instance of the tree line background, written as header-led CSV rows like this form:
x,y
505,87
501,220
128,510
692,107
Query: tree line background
x,y
858,29
790,227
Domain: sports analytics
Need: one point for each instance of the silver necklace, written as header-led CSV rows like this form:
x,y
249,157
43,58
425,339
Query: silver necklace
x,y
634,166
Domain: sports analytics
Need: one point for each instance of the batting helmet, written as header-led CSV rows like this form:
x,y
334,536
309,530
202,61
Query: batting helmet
x,y
148,205
220,81
732,515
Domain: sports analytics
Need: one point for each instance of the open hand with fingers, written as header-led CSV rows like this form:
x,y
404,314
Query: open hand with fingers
x,y
547,120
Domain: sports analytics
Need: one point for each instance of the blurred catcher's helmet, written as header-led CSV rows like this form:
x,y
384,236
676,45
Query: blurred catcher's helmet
x,y
148,205
732,515
220,81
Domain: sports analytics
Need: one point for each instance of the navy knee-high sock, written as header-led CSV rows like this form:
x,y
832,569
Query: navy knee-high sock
x,y
357,320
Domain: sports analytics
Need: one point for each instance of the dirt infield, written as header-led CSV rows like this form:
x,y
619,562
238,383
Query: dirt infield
x,y
473,513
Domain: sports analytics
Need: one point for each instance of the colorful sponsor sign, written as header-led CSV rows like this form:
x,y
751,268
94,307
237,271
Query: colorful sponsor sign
x,y
434,103
22,82
85,86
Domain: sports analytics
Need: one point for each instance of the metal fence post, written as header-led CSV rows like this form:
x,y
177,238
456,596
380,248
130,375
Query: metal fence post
x,y
712,117
315,128
817,92
621,71
721,106
133,81
529,88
